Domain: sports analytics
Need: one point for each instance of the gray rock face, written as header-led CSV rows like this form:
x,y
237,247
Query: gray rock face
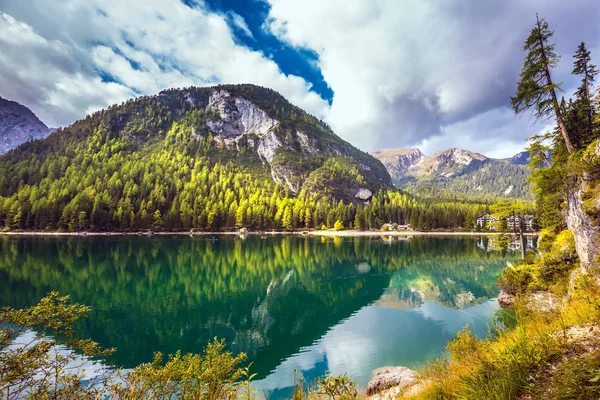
x,y
399,162
587,236
363,194
388,377
238,116
18,124
285,150
241,118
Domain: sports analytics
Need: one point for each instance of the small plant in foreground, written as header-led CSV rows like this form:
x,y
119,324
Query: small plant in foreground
x,y
337,387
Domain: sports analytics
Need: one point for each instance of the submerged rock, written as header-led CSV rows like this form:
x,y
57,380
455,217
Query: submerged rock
x,y
400,378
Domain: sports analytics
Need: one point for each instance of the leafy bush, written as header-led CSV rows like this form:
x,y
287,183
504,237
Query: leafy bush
x,y
515,280
40,368
337,387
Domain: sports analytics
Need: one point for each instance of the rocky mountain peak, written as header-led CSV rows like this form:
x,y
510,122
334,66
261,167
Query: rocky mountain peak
x,y
238,116
442,169
521,158
18,124
459,156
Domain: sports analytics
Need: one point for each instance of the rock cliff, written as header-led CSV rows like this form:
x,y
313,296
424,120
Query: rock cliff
x,y
583,210
291,154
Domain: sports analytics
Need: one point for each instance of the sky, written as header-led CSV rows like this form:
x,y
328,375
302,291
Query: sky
x,y
382,73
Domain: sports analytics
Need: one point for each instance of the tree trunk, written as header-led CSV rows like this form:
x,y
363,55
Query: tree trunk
x,y
559,118
561,124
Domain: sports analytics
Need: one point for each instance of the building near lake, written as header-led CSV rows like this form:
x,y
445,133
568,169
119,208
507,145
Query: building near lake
x,y
513,222
488,221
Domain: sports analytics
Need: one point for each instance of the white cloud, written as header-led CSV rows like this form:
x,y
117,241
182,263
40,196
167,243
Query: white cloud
x,y
169,43
404,71
240,23
43,74
482,133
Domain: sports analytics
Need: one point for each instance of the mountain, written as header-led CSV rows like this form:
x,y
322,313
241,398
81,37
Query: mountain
x,y
521,158
204,158
459,171
18,124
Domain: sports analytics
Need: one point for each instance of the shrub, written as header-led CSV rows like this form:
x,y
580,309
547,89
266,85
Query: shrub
x,y
515,280
337,387
40,369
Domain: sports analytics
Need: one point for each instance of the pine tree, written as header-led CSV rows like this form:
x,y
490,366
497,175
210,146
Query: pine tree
x,y
536,89
583,66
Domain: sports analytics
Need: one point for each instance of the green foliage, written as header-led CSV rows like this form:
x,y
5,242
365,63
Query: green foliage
x,y
535,90
578,378
338,226
516,280
213,376
153,163
549,270
584,110
337,387
464,345
31,361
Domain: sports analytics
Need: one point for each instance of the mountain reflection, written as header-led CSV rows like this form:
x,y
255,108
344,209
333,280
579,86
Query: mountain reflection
x,y
271,298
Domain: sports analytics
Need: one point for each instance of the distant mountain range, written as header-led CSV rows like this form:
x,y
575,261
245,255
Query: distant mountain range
x,y
459,171
18,124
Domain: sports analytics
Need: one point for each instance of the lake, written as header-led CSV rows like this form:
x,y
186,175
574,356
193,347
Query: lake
x,y
307,304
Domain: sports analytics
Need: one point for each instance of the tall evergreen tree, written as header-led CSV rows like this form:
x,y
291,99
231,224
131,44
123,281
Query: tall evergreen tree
x,y
536,89
583,66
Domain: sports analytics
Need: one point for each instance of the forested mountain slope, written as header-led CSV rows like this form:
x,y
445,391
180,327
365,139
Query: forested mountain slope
x,y
18,124
209,159
459,171
197,157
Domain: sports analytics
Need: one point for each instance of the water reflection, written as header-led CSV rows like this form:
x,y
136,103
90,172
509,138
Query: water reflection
x,y
514,243
313,304
376,336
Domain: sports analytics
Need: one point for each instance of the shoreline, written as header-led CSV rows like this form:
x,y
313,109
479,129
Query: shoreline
x,y
328,233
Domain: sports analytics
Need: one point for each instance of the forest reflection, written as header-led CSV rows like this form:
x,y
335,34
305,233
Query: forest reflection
x,y
266,297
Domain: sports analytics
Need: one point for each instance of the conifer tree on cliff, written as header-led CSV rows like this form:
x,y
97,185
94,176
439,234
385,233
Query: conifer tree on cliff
x,y
584,67
536,90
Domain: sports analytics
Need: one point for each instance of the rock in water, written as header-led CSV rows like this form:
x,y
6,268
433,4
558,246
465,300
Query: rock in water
x,y
388,377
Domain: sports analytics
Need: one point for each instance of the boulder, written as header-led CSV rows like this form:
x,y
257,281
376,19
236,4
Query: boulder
x,y
544,301
388,377
506,299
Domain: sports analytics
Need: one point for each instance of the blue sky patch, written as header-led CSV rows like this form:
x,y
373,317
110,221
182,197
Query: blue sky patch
x,y
291,61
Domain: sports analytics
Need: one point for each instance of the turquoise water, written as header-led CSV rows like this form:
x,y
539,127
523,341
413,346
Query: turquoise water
x,y
305,304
